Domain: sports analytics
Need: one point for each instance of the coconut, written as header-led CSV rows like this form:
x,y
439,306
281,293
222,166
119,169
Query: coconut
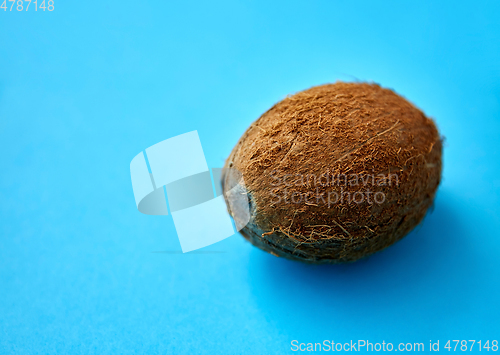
x,y
336,173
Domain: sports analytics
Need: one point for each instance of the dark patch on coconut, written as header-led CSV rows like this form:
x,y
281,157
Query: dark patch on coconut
x,y
302,148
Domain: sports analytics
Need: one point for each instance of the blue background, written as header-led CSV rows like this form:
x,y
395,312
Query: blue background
x,y
86,87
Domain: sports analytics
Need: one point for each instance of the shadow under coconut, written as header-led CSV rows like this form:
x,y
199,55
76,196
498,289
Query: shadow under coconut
x,y
407,282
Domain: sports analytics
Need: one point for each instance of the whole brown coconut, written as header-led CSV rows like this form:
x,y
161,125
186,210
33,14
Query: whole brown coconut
x,y
336,172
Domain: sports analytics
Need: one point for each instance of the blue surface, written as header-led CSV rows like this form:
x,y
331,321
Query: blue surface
x,y
86,87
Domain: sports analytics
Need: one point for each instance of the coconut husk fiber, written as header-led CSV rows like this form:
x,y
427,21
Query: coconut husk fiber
x,y
336,130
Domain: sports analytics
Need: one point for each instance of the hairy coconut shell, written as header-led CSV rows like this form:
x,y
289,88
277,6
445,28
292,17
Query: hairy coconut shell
x,y
313,145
